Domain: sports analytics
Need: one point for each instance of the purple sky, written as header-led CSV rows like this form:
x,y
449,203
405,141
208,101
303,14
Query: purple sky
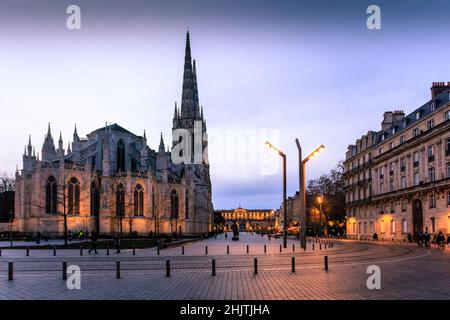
x,y
307,69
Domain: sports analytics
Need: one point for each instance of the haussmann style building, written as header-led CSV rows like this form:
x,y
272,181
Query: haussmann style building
x,y
397,179
111,180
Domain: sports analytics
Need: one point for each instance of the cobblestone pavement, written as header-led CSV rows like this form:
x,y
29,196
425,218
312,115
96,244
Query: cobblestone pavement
x,y
407,272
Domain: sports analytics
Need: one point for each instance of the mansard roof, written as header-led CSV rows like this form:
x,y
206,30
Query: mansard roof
x,y
410,120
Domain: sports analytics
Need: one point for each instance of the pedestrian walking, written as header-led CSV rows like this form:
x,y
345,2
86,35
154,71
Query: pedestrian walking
x,y
94,240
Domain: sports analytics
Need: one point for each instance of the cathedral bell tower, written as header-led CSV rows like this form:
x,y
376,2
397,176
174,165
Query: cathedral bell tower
x,y
190,114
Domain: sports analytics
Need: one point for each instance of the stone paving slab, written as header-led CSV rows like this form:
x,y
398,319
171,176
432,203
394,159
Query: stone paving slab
x,y
407,272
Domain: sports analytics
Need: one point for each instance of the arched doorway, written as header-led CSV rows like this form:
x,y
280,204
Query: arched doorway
x,y
417,213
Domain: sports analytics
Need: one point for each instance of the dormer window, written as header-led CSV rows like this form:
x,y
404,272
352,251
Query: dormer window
x,y
394,130
433,105
418,115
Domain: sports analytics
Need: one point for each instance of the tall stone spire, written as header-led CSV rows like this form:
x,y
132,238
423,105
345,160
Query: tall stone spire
x,y
196,102
29,147
188,96
48,149
161,144
175,116
60,142
49,132
75,134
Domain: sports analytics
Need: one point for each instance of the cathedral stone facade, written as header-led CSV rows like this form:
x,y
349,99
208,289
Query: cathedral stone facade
x,y
112,181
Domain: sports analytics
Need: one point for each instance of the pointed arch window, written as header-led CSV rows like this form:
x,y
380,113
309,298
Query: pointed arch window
x,y
138,200
95,200
120,201
174,204
51,196
73,196
120,154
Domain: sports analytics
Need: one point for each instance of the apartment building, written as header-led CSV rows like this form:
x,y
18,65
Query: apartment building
x,y
397,179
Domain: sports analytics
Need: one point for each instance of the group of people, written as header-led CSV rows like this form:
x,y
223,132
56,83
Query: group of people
x,y
424,239
39,236
77,235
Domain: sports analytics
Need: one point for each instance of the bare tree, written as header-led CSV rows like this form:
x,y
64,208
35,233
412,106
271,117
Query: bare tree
x,y
123,205
68,191
6,184
7,188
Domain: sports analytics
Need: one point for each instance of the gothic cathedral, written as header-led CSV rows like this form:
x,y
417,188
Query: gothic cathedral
x,y
111,181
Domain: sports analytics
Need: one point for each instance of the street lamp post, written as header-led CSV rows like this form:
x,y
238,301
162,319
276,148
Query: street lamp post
x,y
11,219
302,188
270,146
319,199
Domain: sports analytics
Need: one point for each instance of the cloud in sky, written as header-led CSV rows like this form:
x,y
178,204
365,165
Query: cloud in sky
x,y
308,69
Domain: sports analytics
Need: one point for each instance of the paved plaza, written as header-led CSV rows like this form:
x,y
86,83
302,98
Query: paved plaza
x,y
407,272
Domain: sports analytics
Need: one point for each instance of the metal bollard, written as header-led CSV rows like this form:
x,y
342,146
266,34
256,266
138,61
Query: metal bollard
x,y
182,250
28,251
293,264
280,248
107,251
134,251
326,263
10,271
0,252
293,248
118,249
248,249
167,268
313,246
64,270
213,267
157,249
265,249
117,269
206,249
320,246
255,265
304,248
54,251
228,249
81,251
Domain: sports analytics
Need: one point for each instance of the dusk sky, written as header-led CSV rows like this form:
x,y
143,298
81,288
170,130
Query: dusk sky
x,y
284,69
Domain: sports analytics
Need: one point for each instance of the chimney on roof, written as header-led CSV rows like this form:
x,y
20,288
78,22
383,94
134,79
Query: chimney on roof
x,y
398,115
388,120
438,87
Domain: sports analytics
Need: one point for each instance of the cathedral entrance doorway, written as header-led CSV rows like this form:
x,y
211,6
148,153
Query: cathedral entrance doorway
x,y
417,214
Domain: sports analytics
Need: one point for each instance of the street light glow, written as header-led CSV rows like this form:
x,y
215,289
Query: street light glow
x,y
315,153
273,148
